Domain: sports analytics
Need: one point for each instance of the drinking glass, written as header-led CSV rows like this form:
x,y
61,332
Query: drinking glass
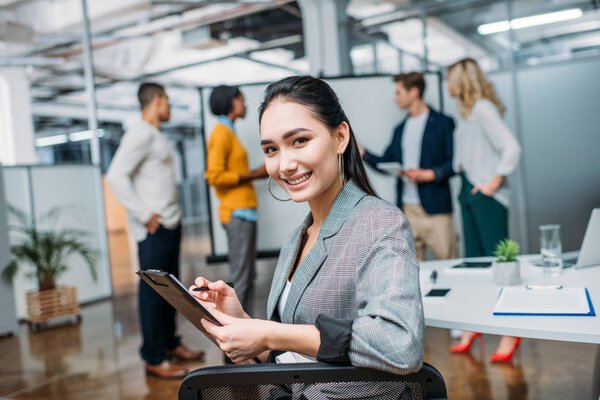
x,y
551,249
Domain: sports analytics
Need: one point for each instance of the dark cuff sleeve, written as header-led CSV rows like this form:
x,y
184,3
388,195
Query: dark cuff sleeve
x,y
335,339
439,175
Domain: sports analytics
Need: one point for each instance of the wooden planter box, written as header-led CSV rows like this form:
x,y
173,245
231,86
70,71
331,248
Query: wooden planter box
x,y
48,304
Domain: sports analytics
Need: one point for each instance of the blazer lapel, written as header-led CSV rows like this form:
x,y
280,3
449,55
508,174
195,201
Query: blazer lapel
x,y
304,274
288,255
343,204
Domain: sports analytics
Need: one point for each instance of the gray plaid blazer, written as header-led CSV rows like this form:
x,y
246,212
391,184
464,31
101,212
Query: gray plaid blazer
x,y
363,268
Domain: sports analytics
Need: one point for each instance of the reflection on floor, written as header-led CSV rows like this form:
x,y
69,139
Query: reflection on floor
x,y
98,359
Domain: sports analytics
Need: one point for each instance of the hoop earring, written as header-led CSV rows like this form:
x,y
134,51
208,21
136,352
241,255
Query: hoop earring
x,y
341,169
272,195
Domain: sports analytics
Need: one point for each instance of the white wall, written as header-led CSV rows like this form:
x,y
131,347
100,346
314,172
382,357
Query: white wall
x,y
16,126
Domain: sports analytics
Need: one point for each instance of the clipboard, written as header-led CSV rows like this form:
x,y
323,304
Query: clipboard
x,y
173,291
580,297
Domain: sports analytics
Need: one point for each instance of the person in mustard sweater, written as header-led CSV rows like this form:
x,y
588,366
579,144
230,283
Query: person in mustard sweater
x,y
228,171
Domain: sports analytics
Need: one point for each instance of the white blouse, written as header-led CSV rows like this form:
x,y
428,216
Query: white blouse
x,y
283,298
485,147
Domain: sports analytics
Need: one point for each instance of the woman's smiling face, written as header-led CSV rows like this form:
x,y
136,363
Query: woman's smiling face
x,y
301,153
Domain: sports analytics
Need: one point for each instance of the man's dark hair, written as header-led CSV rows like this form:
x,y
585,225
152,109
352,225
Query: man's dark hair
x,y
412,80
148,91
221,97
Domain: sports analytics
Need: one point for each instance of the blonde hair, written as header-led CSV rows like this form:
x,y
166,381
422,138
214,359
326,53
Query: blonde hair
x,y
472,85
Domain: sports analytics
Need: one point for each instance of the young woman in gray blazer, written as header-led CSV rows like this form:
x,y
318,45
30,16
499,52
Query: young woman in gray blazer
x,y
346,286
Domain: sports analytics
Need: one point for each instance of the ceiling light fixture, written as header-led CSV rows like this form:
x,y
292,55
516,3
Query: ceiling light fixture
x,y
50,140
528,22
84,135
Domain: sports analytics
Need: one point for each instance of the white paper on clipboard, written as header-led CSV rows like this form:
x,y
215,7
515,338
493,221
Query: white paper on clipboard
x,y
394,168
563,301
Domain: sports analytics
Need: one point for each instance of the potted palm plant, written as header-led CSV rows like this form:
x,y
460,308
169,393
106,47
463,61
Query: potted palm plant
x,y
45,254
506,265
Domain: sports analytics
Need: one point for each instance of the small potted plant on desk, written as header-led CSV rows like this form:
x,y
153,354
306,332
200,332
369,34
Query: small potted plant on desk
x,y
506,265
45,252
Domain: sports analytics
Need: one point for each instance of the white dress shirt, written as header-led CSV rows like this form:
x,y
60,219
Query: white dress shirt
x,y
142,176
485,147
412,139
283,298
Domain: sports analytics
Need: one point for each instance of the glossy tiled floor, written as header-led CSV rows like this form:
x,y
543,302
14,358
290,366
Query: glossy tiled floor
x,y
98,359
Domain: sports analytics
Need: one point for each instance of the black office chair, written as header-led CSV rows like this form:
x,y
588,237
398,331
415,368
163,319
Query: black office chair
x,y
311,382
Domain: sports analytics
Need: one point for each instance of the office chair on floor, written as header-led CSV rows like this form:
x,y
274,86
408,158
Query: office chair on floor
x,y
310,382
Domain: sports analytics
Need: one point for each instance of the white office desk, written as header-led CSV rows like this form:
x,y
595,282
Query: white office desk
x,y
469,304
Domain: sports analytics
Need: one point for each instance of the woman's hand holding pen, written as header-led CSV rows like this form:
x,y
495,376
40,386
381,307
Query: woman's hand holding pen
x,y
221,295
240,338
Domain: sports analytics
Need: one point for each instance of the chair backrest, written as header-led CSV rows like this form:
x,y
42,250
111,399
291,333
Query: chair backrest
x,y
309,381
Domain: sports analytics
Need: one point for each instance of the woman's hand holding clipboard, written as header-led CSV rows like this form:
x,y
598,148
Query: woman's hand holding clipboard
x,y
218,300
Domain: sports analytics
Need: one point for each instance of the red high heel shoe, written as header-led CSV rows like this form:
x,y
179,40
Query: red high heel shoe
x,y
506,357
464,348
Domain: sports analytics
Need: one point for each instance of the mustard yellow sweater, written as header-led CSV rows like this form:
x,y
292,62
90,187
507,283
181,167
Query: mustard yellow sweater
x,y
227,159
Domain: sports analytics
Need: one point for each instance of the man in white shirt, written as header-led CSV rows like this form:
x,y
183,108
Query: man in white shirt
x,y
142,176
423,144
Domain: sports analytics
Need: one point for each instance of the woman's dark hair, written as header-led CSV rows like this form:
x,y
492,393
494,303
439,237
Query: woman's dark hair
x,y
221,97
318,97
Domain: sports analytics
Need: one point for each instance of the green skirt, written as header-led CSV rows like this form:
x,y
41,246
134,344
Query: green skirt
x,y
485,221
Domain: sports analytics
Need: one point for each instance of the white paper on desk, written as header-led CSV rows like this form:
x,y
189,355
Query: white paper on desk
x,y
520,300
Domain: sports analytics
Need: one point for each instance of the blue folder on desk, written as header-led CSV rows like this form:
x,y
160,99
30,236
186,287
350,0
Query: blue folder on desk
x,y
571,301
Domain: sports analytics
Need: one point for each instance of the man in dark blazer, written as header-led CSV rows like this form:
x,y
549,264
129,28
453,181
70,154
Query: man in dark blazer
x,y
423,143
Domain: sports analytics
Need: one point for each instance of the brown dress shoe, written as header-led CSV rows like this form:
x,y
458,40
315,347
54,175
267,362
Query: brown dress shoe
x,y
166,370
182,353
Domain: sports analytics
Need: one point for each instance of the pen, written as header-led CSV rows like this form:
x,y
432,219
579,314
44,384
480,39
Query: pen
x,y
205,288
433,276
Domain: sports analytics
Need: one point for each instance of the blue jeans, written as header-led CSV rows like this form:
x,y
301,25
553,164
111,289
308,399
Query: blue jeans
x,y
157,317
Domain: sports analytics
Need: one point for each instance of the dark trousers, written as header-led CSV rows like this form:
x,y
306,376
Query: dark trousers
x,y
241,237
157,317
485,221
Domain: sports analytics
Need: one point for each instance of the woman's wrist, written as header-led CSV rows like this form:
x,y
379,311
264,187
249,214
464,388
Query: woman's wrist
x,y
496,182
275,336
304,339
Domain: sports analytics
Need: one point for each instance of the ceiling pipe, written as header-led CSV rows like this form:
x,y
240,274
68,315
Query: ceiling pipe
x,y
100,41
271,44
26,61
75,40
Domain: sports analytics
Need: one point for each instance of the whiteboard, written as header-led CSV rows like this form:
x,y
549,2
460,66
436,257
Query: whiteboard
x,y
369,104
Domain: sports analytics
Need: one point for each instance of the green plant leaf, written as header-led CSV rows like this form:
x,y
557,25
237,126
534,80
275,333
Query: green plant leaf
x,y
9,272
507,251
46,252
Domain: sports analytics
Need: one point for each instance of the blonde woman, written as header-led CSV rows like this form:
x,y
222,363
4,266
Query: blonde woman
x,y
486,152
